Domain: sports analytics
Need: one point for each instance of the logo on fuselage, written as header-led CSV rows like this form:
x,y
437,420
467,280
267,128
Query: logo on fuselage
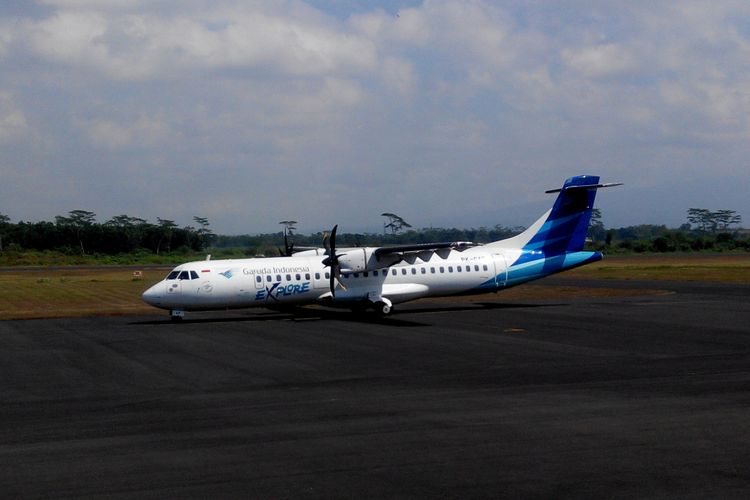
x,y
277,291
227,274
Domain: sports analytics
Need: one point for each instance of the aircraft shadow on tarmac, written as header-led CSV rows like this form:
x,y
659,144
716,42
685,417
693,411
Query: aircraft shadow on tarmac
x,y
304,314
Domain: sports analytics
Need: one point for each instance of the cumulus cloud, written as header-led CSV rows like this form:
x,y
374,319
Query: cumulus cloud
x,y
293,97
12,119
604,60
134,45
144,132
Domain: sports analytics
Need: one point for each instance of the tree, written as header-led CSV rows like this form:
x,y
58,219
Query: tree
x,y
204,232
708,221
700,217
128,230
596,226
395,223
289,226
78,222
166,229
726,218
4,221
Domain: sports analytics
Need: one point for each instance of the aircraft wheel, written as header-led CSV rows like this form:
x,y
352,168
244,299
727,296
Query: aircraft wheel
x,y
383,308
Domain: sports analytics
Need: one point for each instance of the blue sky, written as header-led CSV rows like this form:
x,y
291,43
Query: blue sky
x,y
449,113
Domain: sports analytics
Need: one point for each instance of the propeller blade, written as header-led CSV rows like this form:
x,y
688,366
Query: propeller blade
x,y
332,241
329,241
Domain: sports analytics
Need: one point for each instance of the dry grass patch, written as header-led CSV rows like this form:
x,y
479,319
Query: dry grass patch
x,y
731,268
42,293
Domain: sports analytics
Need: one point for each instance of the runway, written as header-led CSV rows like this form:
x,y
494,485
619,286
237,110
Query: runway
x,y
621,397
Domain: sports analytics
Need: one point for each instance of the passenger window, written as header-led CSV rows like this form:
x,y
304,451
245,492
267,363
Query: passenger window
x,y
484,267
173,275
328,275
424,270
403,271
476,268
442,269
414,270
450,269
356,275
268,278
297,277
184,275
307,276
278,277
259,278
394,272
317,276
468,269
289,277
458,269
364,274
375,273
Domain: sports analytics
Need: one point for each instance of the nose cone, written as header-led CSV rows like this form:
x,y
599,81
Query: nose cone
x,y
153,296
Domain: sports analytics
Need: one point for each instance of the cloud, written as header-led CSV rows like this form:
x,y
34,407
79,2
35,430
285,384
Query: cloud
x,y
399,75
303,107
134,45
145,132
604,60
13,122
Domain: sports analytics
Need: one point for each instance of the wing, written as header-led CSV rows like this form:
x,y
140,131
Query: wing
x,y
382,253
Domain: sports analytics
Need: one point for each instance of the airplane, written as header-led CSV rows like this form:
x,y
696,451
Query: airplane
x,y
379,277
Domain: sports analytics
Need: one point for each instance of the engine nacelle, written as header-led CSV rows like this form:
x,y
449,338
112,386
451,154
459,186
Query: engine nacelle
x,y
359,260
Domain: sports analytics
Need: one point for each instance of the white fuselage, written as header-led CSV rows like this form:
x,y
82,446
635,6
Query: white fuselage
x,y
274,282
380,277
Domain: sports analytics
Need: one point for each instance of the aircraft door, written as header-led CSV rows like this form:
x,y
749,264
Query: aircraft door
x,y
501,269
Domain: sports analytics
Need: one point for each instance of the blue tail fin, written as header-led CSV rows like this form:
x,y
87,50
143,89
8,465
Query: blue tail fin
x,y
565,229
555,241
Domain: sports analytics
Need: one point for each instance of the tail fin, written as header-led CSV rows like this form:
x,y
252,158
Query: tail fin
x,y
555,242
563,229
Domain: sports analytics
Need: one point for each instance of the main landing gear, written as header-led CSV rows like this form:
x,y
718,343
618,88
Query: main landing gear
x,y
176,315
383,308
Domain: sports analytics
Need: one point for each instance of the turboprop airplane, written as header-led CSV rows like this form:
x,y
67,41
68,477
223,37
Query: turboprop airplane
x,y
377,278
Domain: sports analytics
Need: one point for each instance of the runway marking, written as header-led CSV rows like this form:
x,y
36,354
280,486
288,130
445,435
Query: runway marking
x,y
514,330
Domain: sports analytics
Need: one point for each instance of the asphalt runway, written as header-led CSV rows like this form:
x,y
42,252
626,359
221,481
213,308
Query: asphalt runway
x,y
625,397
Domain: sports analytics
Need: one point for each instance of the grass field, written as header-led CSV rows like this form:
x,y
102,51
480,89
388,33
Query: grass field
x,y
725,268
44,293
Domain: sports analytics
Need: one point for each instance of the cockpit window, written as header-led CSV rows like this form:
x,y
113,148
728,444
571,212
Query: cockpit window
x,y
184,275
193,275
173,275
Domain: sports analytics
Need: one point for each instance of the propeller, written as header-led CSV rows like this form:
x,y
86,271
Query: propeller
x,y
329,242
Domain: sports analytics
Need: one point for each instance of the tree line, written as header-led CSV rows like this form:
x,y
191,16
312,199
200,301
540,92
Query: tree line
x,y
705,230
78,232
272,243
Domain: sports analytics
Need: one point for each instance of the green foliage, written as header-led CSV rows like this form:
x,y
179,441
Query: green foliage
x,y
79,239
707,221
80,234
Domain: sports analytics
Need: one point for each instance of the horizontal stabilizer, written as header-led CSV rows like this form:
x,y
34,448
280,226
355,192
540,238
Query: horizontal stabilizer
x,y
585,186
